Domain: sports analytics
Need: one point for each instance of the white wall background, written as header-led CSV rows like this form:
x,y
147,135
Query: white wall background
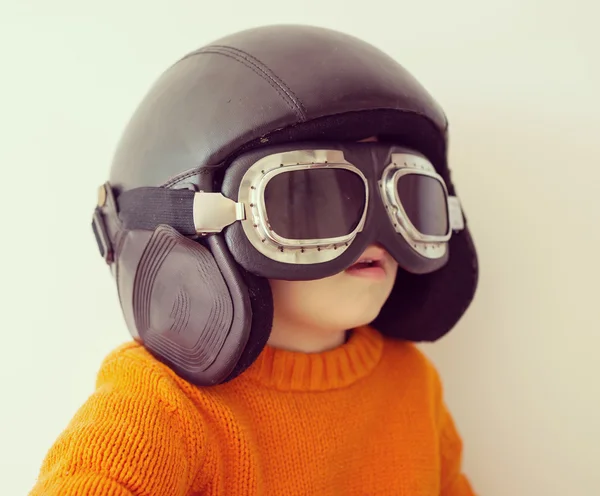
x,y
519,80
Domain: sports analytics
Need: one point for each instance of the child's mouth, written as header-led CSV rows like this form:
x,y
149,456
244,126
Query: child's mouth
x,y
369,265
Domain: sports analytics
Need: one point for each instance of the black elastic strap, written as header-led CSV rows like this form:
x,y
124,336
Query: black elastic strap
x,y
147,208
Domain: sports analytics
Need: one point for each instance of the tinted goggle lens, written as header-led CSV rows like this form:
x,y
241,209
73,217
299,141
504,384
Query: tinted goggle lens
x,y
315,204
425,203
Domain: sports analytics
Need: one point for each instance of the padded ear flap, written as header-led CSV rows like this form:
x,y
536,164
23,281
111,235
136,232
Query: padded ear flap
x,y
261,301
189,307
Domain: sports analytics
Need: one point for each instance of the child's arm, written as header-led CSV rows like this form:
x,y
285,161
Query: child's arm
x,y
138,434
454,482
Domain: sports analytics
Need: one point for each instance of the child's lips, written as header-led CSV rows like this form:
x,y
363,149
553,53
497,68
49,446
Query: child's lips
x,y
368,271
371,264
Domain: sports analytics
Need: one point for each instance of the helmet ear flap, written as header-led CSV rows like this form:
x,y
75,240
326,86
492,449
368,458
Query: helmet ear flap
x,y
190,308
425,307
261,299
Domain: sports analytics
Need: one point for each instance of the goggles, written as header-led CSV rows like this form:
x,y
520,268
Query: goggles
x,y
310,212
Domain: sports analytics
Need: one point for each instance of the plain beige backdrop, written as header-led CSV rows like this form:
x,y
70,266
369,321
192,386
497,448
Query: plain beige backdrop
x,y
519,80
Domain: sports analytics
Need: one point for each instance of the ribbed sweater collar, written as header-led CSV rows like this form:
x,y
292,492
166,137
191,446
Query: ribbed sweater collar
x,y
337,368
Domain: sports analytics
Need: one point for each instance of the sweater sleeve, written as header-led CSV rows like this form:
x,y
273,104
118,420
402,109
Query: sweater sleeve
x,y
454,482
138,434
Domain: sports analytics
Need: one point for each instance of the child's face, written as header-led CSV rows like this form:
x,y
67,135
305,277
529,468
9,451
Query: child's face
x,y
344,301
313,315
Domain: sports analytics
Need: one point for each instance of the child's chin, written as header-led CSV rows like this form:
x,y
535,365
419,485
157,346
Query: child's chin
x,y
359,320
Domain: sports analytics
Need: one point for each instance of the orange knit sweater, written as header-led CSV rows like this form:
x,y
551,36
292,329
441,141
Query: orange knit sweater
x,y
365,418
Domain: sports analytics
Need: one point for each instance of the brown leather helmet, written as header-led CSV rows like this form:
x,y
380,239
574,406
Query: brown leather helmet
x,y
198,298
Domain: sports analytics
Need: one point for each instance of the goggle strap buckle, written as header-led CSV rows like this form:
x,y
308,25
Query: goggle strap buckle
x,y
213,212
455,214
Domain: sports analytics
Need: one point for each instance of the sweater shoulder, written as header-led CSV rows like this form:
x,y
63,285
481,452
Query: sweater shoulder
x,y
139,432
132,361
132,367
406,360
397,349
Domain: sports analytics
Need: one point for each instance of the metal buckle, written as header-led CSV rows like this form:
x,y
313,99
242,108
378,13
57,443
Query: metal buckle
x,y
102,239
213,212
455,213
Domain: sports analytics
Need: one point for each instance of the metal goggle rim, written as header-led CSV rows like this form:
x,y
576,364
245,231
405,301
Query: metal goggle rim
x,y
402,165
257,229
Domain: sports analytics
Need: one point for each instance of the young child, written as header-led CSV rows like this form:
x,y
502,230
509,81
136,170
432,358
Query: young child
x,y
281,225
